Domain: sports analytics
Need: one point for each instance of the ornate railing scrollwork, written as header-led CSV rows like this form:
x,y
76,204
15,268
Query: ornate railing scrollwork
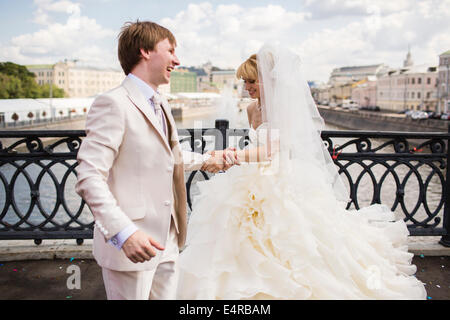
x,y
38,173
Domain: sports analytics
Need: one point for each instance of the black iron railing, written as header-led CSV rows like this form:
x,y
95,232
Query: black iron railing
x,y
406,171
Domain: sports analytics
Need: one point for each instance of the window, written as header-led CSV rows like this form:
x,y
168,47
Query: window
x,y
419,80
412,95
429,81
413,81
418,95
2,117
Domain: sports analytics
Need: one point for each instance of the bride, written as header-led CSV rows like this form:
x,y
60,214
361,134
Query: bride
x,y
276,226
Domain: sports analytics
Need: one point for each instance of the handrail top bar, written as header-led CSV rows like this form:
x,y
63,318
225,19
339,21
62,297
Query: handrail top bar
x,y
382,134
326,133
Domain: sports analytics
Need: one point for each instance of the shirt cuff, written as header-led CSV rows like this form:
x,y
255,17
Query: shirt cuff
x,y
206,157
119,239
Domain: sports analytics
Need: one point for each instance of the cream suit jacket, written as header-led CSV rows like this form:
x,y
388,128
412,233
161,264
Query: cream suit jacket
x,y
130,172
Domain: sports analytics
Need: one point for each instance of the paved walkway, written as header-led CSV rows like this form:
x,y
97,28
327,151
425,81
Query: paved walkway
x,y
47,279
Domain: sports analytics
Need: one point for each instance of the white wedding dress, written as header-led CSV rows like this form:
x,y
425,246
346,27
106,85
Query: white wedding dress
x,y
279,230
253,234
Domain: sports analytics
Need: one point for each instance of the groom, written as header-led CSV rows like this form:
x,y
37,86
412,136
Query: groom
x,y
131,171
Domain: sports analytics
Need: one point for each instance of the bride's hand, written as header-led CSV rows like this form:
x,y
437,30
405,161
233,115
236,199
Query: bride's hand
x,y
221,160
231,155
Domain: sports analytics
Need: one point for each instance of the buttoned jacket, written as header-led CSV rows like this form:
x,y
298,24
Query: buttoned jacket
x,y
129,171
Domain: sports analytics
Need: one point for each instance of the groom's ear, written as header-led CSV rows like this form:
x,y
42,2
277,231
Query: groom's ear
x,y
145,54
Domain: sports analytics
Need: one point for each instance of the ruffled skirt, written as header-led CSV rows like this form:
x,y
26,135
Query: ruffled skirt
x,y
258,234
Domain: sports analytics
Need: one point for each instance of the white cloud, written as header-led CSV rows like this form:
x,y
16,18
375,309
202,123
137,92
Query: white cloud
x,y
322,9
228,33
353,33
78,37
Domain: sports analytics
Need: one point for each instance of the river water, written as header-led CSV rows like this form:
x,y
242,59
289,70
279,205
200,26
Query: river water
x,y
48,180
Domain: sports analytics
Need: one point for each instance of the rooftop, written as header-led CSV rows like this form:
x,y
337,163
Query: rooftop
x,y
39,66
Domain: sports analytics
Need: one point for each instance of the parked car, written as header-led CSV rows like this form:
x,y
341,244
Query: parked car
x,y
370,108
430,114
348,104
437,116
408,113
418,115
445,116
333,104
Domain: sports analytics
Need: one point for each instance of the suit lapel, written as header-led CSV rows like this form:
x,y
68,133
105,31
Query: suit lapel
x,y
171,127
137,98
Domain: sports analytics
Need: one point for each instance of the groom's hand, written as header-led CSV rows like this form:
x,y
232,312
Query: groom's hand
x,y
220,160
139,247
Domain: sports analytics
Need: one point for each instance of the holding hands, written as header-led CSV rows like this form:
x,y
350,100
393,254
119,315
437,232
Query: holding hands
x,y
221,160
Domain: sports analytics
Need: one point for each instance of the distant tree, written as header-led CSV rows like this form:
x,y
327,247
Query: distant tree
x,y
10,87
57,92
30,115
17,82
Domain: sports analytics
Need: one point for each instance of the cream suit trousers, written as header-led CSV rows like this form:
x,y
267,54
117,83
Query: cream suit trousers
x,y
157,284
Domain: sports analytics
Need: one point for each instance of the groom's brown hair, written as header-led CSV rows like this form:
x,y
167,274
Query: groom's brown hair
x,y
138,35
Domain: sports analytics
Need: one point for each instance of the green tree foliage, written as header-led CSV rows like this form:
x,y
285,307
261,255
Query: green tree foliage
x,y
17,82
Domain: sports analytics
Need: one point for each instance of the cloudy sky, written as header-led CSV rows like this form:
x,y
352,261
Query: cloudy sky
x,y
325,33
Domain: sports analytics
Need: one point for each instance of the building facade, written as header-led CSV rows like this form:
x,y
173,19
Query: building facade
x,y
183,80
412,88
443,89
75,80
346,75
364,92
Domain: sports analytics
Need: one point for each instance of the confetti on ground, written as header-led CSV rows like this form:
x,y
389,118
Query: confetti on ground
x,y
438,286
68,297
442,266
60,268
71,259
422,256
429,298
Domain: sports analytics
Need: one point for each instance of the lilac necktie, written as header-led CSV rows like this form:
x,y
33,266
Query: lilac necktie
x,y
156,99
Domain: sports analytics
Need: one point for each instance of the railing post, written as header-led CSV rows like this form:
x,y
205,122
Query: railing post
x,y
222,141
445,240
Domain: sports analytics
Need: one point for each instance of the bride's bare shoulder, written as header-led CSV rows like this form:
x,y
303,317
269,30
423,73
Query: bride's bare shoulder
x,y
252,107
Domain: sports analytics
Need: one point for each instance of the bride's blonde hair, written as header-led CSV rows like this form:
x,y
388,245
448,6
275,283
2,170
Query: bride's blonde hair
x,y
248,70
